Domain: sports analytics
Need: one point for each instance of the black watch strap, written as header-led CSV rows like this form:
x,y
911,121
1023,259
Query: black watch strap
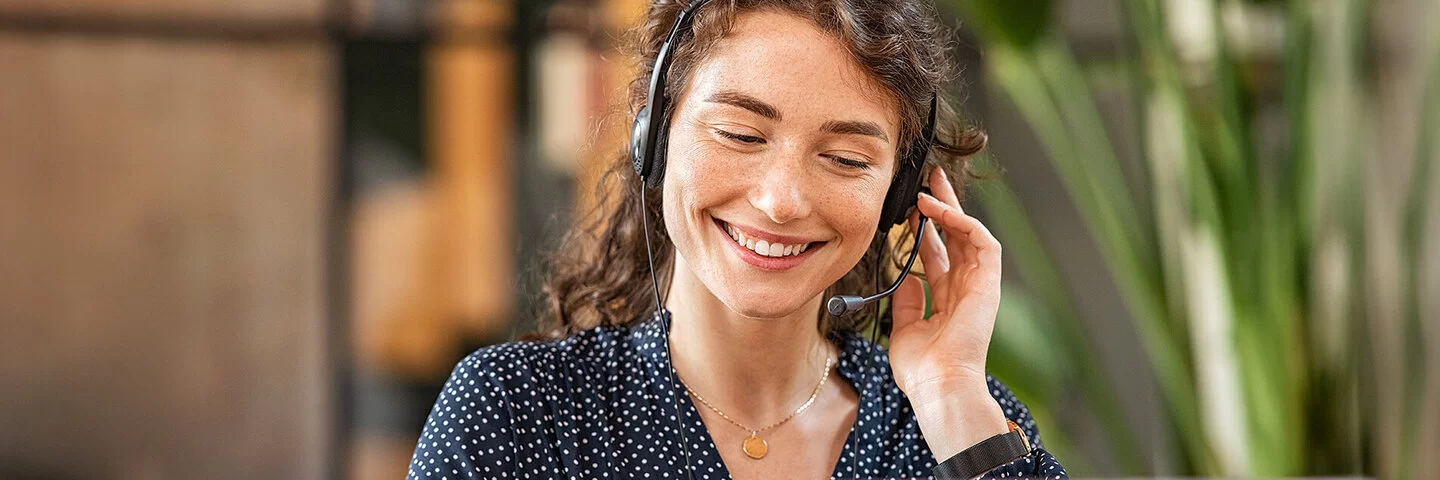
x,y
984,456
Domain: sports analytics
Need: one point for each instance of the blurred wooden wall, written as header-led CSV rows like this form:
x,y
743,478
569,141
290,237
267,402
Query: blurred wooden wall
x,y
164,195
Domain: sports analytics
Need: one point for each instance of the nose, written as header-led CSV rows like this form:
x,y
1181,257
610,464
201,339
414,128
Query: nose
x,y
780,193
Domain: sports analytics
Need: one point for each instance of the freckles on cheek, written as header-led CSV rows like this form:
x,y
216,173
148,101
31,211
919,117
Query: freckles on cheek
x,y
706,163
853,211
712,177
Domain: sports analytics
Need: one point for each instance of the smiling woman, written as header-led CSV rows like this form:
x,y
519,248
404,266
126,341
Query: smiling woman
x,y
784,127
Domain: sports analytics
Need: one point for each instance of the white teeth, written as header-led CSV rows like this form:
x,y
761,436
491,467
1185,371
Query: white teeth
x,y
764,247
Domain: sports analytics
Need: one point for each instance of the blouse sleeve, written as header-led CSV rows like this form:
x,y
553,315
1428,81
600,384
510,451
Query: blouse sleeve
x,y
470,432
1039,463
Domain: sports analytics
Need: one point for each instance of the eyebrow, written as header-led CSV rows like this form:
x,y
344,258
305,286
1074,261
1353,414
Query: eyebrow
x,y
843,127
731,97
853,127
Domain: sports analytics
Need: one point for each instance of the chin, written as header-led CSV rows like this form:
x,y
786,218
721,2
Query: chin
x,y
765,305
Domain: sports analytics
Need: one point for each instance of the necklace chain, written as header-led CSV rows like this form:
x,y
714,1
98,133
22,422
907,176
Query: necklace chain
x,y
824,374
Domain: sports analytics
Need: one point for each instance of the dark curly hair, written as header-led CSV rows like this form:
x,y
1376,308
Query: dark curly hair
x,y
600,275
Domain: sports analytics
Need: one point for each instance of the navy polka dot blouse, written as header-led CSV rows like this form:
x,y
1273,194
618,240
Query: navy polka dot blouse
x,y
600,405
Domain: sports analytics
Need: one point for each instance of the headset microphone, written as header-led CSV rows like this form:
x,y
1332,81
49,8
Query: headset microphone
x,y
840,305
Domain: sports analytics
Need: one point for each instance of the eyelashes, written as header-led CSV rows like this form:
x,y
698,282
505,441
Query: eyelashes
x,y
746,139
753,140
848,162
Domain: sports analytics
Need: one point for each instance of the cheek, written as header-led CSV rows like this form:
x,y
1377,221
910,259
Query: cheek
x,y
696,179
701,176
853,211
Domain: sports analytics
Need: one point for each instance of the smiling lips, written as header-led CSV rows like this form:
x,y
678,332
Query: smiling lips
x,y
763,247
773,254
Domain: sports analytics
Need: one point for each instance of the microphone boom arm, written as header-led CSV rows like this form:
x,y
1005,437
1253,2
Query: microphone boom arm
x,y
841,305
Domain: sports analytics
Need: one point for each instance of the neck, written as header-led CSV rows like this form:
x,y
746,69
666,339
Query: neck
x,y
757,370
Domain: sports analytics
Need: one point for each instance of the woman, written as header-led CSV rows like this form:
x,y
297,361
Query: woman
x,y
787,124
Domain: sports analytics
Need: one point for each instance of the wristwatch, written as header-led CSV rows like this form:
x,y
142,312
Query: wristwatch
x,y
986,455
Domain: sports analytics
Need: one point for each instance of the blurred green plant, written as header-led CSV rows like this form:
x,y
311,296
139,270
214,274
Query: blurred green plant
x,y
1245,272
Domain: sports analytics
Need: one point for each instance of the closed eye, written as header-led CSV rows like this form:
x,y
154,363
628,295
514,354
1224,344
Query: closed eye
x,y
747,139
848,163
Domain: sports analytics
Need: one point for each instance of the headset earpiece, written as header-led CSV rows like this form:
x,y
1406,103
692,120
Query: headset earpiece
x,y
901,197
648,135
647,152
638,142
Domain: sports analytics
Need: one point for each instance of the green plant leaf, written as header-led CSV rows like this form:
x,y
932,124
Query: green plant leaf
x,y
1019,23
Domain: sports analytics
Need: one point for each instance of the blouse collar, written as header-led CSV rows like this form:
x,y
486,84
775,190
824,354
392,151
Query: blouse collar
x,y
648,338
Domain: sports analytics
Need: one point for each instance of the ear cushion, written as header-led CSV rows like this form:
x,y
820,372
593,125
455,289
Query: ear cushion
x,y
658,160
902,195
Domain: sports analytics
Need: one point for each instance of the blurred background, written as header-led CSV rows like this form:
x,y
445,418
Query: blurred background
x,y
249,239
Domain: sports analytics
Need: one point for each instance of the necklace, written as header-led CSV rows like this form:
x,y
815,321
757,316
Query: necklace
x,y
754,446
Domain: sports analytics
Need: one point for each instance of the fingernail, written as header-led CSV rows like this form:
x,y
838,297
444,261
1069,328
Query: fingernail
x,y
931,198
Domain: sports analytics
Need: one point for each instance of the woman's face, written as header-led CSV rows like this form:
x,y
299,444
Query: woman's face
x,y
781,151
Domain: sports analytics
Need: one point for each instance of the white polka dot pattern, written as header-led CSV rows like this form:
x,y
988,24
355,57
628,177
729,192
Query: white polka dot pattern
x,y
600,405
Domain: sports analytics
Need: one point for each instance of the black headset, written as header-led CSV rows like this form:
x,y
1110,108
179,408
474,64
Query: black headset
x,y
647,156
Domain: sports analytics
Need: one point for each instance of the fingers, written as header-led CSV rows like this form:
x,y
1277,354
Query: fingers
x,y
953,220
933,257
909,306
968,242
932,249
943,190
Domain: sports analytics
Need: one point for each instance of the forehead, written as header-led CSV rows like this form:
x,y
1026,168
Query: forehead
x,y
788,60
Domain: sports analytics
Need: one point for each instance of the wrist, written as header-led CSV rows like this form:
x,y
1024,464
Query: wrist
x,y
955,415
988,455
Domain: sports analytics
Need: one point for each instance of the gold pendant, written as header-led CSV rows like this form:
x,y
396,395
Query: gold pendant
x,y
755,447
